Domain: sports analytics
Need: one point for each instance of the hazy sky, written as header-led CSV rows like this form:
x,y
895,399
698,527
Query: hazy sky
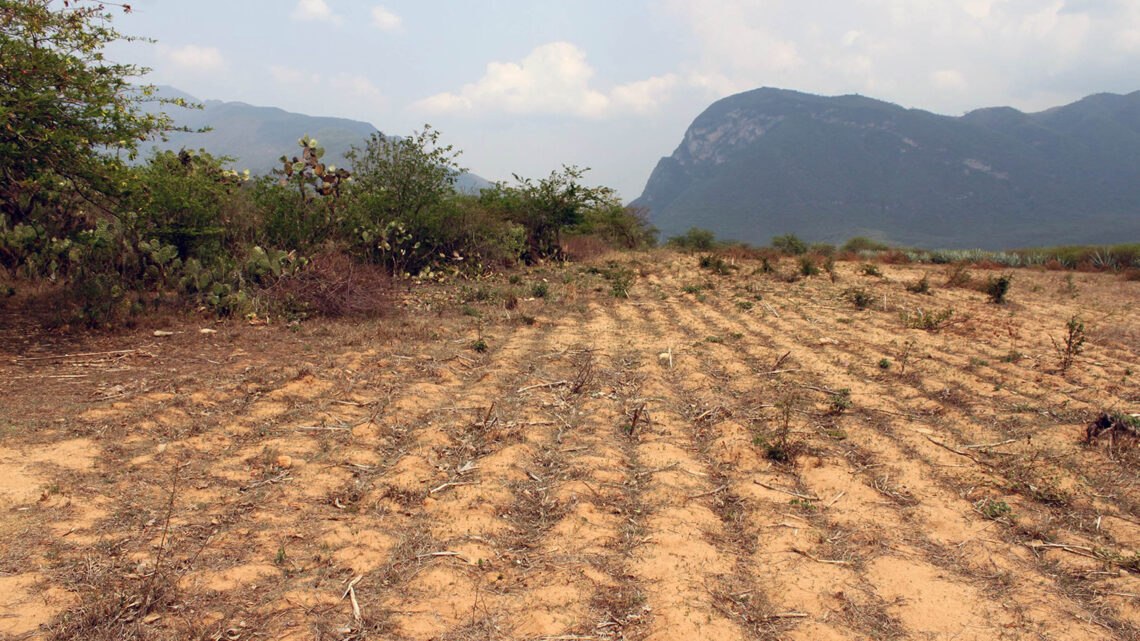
x,y
524,86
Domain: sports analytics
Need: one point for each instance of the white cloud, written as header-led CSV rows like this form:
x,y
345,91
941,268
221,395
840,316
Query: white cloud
x,y
315,10
949,80
348,87
644,96
945,55
553,79
193,57
385,20
291,76
356,86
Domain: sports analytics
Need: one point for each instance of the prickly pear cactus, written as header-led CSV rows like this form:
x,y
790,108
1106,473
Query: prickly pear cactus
x,y
309,173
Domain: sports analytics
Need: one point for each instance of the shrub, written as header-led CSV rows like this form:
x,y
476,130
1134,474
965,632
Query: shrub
x,y
716,264
958,276
789,244
870,269
997,287
922,286
808,266
928,320
822,249
694,240
188,200
582,248
333,285
861,244
861,298
839,402
622,227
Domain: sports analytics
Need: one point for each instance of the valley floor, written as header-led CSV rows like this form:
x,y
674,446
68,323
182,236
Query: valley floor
x,y
680,464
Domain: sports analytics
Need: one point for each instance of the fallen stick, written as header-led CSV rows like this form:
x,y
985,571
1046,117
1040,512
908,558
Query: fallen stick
x,y
989,445
1079,550
780,361
958,452
541,385
707,413
819,560
457,555
785,615
80,355
778,371
452,484
789,492
280,478
769,307
710,492
351,592
656,470
837,497
821,389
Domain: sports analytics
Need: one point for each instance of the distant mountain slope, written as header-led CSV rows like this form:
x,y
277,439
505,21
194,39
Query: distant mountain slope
x,y
258,136
772,161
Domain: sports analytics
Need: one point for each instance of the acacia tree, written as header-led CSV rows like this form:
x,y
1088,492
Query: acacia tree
x,y
68,116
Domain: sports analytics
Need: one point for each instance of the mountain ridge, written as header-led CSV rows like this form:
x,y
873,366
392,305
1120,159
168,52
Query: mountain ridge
x,y
257,136
773,161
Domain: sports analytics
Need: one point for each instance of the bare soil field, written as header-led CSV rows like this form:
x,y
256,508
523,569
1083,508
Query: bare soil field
x,y
725,457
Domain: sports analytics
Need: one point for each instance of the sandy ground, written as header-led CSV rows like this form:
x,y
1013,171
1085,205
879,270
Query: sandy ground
x,y
680,464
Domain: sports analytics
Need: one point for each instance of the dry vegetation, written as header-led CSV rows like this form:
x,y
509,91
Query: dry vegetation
x,y
714,456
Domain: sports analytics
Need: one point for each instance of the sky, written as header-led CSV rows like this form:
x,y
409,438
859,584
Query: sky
x,y
526,86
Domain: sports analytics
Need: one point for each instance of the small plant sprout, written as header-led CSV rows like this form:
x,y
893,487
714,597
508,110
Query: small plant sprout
x,y
994,510
1073,344
839,402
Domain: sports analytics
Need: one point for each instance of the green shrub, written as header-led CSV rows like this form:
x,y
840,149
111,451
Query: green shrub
x,y
861,298
861,244
870,269
716,264
789,244
694,240
928,320
997,287
922,286
808,266
839,402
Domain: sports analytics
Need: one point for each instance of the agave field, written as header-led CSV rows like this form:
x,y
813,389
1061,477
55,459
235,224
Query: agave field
x,y
634,447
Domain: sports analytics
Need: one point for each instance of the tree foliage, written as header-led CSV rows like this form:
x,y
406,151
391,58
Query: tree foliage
x,y
68,116
401,178
549,206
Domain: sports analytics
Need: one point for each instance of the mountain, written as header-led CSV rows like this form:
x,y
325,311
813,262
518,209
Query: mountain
x,y
258,136
771,161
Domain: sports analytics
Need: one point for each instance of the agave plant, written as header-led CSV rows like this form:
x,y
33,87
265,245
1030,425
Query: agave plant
x,y
1103,259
